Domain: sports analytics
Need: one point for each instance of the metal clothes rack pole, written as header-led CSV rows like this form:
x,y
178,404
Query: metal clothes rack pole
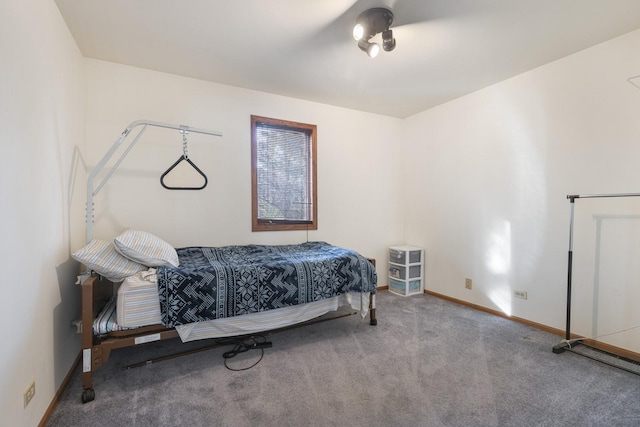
x,y
91,193
565,344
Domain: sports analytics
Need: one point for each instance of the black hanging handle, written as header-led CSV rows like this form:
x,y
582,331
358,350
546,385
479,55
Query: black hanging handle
x,y
183,158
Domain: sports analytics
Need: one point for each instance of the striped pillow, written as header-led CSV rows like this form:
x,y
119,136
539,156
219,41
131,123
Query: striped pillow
x,y
147,249
101,257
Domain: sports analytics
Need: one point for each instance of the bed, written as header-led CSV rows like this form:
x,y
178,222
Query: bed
x,y
139,289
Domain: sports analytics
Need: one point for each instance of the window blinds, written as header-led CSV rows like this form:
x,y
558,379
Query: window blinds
x,y
283,174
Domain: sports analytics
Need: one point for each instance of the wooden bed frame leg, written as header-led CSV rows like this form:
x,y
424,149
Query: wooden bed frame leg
x,y
372,309
88,394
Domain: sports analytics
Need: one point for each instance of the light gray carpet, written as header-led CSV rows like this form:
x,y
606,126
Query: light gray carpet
x,y
429,362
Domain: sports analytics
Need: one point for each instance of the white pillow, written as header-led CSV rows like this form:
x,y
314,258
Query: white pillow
x,y
101,257
147,249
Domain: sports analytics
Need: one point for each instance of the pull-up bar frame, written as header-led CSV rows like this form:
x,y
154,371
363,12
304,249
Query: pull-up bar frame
x,y
566,343
91,193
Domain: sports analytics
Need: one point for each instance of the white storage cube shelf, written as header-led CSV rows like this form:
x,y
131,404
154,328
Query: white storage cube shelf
x,y
406,269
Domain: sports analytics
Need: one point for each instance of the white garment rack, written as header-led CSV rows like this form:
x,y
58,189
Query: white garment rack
x,y
91,193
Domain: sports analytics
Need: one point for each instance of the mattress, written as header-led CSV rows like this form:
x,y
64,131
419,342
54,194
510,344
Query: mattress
x,y
138,304
106,321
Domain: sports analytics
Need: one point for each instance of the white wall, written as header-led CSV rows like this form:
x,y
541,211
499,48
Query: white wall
x,y
487,178
41,135
358,198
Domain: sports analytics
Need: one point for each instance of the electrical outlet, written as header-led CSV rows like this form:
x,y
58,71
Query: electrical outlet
x,y
467,283
520,294
29,393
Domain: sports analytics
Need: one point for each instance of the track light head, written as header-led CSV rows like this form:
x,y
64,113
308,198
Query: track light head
x,y
388,42
368,24
371,49
358,32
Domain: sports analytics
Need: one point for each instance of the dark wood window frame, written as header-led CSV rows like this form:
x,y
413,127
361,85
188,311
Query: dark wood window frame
x,y
266,224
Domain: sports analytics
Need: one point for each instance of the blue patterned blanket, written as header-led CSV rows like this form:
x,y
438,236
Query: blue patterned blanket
x,y
213,283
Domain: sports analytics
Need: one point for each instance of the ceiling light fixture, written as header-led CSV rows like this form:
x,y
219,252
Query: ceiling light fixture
x,y
368,24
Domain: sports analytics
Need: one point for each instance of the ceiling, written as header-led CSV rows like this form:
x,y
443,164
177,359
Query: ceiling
x,y
304,48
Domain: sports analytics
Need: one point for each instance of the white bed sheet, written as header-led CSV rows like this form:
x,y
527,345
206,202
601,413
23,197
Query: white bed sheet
x,y
138,305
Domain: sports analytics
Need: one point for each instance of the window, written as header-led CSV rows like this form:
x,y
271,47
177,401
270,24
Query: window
x,y
283,175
